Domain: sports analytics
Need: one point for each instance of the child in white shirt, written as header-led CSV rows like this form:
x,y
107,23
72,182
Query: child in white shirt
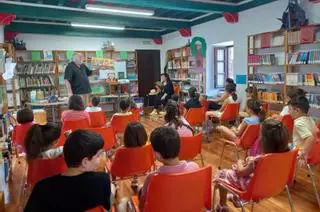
x,y
95,101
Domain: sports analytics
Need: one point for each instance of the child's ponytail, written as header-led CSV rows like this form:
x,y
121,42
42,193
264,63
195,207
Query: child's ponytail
x,y
34,142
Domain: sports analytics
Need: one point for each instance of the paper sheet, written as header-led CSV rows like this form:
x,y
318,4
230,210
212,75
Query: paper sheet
x,y
121,69
107,74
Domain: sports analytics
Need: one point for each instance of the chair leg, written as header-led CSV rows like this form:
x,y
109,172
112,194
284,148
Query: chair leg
x,y
202,161
290,198
314,184
221,156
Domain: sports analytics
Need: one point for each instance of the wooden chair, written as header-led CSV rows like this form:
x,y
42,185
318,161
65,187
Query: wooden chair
x,y
190,148
264,184
97,119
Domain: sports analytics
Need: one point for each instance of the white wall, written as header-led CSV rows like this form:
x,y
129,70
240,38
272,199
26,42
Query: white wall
x,y
54,42
253,21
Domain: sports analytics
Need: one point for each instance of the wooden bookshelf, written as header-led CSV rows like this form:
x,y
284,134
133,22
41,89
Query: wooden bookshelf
x,y
299,67
182,70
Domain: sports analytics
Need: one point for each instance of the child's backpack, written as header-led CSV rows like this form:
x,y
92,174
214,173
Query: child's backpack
x,y
294,16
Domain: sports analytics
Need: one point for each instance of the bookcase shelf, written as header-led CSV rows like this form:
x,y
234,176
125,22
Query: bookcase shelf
x,y
301,60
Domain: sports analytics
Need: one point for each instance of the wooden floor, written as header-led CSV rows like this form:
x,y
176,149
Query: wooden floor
x,y
302,192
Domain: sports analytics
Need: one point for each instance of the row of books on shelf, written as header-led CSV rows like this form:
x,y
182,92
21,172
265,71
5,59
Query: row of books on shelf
x,y
36,68
184,52
305,57
265,78
314,100
270,96
307,79
265,40
267,59
36,81
305,35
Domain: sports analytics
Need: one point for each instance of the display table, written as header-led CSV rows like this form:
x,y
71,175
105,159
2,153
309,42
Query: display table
x,y
52,107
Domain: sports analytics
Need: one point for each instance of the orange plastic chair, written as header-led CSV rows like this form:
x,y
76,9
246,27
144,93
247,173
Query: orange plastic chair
x,y
195,116
97,119
190,147
39,169
205,105
132,162
245,142
72,125
287,121
166,192
265,106
119,123
136,114
18,135
108,136
269,179
230,113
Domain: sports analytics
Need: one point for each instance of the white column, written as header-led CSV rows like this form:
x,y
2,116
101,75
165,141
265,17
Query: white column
x,y
1,33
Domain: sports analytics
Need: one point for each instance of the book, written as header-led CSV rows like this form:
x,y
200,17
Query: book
x,y
307,79
267,59
305,57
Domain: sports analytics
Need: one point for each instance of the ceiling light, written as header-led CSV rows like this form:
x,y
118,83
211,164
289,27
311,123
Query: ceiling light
x,y
97,26
121,10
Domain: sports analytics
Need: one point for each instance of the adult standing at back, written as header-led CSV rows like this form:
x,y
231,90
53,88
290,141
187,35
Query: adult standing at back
x,y
167,88
76,78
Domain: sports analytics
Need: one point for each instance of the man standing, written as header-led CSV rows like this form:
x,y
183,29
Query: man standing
x,y
76,78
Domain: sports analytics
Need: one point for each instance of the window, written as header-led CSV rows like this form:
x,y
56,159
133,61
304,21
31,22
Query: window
x,y
223,65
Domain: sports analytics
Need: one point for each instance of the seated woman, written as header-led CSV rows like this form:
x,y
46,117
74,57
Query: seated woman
x,y
174,119
193,102
256,116
41,140
231,97
158,102
76,110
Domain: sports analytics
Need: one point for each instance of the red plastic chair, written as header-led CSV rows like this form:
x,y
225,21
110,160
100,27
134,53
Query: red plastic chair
x,y
18,135
39,169
190,191
136,114
269,179
230,113
245,142
108,136
72,125
195,116
132,162
97,119
119,123
287,121
265,106
205,105
190,148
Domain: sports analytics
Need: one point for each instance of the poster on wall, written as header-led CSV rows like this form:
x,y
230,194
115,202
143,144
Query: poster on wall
x,y
121,69
107,74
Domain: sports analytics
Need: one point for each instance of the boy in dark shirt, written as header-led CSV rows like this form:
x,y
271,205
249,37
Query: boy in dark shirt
x,y
193,102
80,188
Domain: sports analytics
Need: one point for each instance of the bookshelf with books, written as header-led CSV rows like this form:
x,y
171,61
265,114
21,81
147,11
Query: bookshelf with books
x,y
291,61
186,70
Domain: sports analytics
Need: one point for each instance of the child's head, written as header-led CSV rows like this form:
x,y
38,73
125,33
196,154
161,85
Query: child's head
x,y
231,90
40,138
274,136
293,92
229,81
158,86
76,103
298,106
95,101
25,115
251,92
124,105
255,108
135,135
166,144
83,149
172,111
192,92
175,97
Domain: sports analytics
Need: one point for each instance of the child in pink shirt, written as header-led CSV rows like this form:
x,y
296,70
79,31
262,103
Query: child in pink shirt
x,y
76,110
166,145
175,120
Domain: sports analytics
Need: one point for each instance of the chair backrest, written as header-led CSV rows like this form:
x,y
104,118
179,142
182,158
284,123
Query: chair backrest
x,y
293,166
249,136
119,123
190,147
287,121
20,132
205,105
72,125
108,136
136,114
97,119
265,106
129,162
39,169
230,112
314,153
270,176
195,116
188,191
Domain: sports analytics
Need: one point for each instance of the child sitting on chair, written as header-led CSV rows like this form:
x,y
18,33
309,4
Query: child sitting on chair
x,y
232,97
95,101
124,107
274,138
251,93
193,101
25,121
256,116
135,135
41,140
166,145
